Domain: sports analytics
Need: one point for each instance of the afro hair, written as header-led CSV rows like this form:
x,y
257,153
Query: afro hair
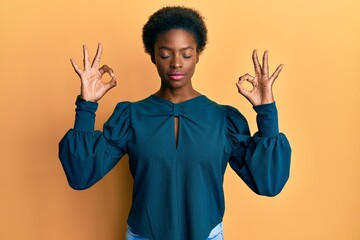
x,y
169,18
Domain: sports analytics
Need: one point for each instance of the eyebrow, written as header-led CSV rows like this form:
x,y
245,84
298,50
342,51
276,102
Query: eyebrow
x,y
182,49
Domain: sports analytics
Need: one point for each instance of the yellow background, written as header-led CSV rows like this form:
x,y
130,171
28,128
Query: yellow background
x,y
317,95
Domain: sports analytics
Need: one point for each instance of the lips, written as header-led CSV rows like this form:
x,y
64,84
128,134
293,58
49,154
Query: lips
x,y
176,75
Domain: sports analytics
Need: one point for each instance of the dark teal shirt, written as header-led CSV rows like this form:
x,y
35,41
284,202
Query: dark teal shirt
x,y
178,188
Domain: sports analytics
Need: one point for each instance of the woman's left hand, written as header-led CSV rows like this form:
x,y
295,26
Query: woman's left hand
x,y
261,93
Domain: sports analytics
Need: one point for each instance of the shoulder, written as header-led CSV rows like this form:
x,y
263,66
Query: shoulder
x,y
122,107
226,109
126,105
232,114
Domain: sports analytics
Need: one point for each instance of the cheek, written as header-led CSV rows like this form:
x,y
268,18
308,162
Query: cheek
x,y
192,65
161,69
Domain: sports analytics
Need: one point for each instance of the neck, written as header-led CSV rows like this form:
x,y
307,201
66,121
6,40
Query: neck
x,y
177,95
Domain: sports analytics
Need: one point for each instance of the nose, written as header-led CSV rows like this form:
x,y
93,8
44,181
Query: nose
x,y
176,63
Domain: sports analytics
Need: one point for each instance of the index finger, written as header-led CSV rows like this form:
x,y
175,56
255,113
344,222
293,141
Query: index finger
x,y
75,66
257,66
97,58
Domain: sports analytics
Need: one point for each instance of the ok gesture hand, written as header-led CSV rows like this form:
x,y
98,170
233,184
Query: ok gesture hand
x,y
261,93
93,88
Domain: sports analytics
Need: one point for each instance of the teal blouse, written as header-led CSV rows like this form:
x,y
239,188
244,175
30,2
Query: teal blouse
x,y
178,187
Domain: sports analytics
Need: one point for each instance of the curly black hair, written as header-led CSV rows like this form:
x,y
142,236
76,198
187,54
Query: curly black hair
x,y
168,18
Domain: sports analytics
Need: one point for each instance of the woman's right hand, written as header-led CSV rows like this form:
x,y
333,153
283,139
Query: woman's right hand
x,y
93,88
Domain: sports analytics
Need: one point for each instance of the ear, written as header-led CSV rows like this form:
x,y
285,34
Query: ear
x,y
197,57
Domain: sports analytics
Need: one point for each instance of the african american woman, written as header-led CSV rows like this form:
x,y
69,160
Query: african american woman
x,y
178,141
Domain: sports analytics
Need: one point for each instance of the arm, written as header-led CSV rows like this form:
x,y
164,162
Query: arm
x,y
262,161
87,155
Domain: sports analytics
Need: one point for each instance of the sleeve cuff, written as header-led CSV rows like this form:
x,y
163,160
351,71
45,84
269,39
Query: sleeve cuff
x,y
267,120
85,114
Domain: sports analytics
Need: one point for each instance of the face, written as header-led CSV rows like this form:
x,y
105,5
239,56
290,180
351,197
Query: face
x,y
175,58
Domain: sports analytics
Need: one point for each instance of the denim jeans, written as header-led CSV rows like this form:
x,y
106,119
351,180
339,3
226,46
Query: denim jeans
x,y
215,234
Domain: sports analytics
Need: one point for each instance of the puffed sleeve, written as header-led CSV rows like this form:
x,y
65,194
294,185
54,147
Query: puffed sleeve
x,y
87,155
262,161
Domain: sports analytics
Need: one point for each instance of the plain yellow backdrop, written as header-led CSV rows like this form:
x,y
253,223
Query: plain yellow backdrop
x,y
317,95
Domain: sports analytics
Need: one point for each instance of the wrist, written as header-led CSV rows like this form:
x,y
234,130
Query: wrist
x,y
86,98
267,98
267,101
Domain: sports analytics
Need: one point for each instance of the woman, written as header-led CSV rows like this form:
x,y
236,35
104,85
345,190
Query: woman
x,y
178,141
